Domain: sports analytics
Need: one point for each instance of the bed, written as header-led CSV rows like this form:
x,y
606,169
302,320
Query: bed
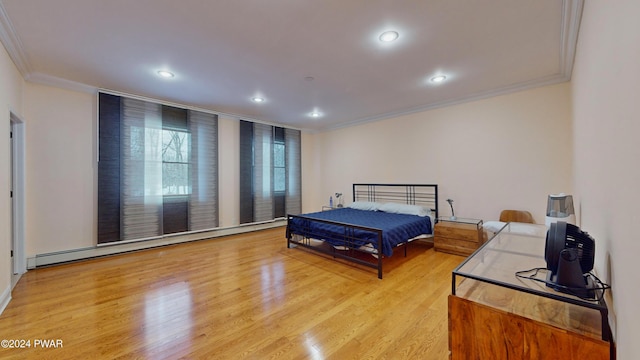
x,y
381,218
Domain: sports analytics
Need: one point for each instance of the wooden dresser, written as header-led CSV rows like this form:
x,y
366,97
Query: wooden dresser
x,y
460,236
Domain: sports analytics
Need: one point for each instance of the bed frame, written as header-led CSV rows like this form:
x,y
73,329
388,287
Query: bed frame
x,y
414,194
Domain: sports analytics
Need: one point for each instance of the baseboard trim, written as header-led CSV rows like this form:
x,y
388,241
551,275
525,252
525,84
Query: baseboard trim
x,y
98,251
5,298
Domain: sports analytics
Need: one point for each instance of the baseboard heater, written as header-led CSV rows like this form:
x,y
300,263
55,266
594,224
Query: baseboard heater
x,y
124,247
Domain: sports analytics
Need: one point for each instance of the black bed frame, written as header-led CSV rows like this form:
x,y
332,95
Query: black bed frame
x,y
414,194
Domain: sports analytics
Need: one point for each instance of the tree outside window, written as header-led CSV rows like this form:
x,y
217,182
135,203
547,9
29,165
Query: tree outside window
x,y
176,156
279,172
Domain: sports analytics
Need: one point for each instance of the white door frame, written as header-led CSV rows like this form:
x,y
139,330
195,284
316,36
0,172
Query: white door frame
x,y
18,199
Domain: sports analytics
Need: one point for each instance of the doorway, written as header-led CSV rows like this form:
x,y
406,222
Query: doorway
x,y
17,154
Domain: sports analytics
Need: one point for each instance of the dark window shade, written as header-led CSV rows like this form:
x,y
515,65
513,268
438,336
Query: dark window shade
x,y
109,168
174,118
157,170
278,134
279,206
174,214
246,172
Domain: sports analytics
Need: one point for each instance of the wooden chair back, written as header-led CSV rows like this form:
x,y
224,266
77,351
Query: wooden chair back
x,y
516,216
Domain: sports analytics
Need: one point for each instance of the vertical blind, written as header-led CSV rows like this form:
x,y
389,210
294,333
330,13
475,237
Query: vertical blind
x,y
141,181
294,171
157,169
270,174
203,204
262,175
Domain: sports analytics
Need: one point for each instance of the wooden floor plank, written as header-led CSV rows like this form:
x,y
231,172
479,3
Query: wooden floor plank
x,y
238,297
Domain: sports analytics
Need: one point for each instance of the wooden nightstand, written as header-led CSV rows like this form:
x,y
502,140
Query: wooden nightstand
x,y
460,236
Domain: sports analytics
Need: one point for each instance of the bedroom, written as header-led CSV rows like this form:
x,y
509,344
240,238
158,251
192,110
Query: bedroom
x,y
566,141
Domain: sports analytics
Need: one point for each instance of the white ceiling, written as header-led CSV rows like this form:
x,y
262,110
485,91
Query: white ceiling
x,y
225,52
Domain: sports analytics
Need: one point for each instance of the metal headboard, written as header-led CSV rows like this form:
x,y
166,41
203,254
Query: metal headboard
x,y
414,194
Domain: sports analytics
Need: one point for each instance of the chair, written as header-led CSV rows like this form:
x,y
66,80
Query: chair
x,y
516,216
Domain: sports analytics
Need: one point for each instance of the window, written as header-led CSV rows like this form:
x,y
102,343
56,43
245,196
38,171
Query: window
x,y
176,146
270,174
157,169
279,172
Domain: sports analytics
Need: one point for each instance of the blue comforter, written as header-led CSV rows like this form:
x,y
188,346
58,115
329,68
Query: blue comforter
x,y
396,228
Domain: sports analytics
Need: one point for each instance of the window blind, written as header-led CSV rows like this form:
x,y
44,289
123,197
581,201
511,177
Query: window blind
x,y
157,169
141,169
293,171
262,174
203,201
270,175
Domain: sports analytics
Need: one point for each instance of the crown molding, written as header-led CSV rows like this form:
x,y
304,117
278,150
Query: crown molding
x,y
545,81
571,18
12,43
44,79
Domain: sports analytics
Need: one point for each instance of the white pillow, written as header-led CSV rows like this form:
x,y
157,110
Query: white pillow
x,y
365,205
528,229
493,226
405,209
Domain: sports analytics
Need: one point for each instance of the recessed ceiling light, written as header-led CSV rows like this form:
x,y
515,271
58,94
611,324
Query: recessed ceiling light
x,y
315,114
257,99
438,79
388,36
165,74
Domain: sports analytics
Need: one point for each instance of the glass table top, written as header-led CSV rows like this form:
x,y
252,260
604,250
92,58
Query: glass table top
x,y
460,220
517,247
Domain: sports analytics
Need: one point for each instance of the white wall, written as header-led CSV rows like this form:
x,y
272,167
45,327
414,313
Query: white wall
x,y
60,169
606,86
507,152
311,156
10,101
229,167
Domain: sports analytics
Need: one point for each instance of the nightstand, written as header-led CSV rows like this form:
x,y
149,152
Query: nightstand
x,y
460,236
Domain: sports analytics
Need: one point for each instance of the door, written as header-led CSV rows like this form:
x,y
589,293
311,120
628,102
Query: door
x,y
12,210
18,257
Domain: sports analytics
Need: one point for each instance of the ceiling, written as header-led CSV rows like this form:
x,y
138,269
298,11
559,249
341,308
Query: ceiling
x,y
299,56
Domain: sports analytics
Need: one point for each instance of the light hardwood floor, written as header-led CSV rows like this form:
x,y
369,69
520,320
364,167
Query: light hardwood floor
x,y
244,296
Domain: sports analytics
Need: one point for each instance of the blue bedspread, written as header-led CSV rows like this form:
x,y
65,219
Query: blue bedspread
x,y
396,228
